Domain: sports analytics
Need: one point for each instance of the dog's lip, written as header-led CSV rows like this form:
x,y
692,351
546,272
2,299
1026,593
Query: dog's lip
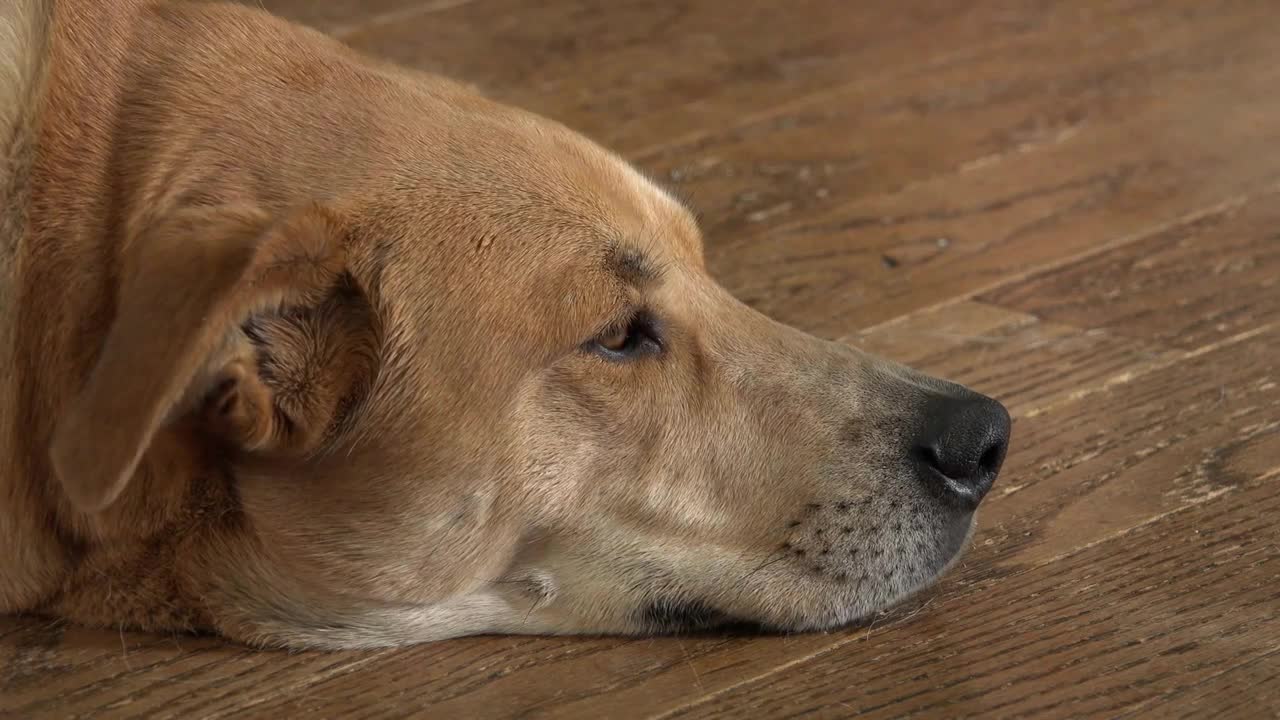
x,y
959,535
667,615
699,619
680,614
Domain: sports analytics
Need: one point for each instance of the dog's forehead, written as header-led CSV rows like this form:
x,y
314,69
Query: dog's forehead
x,y
515,234
622,211
647,228
514,195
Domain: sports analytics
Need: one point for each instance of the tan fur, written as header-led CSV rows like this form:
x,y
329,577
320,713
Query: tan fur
x,y
35,558
298,350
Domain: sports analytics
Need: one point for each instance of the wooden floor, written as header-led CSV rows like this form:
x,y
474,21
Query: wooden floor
x,y
1073,205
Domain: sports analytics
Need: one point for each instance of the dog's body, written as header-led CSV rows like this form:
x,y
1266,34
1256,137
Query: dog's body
x,y
307,349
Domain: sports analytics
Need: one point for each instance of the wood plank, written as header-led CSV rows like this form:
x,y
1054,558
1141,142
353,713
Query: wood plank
x,y
975,231
1183,434
51,670
963,112
1216,277
1244,690
981,345
882,256
634,74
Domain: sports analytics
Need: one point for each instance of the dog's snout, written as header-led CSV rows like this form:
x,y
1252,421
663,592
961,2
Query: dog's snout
x,y
961,445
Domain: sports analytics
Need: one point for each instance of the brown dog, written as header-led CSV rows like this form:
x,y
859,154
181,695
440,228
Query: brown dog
x,y
307,349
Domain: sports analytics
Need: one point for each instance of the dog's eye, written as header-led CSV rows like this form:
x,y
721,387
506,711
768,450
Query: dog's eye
x,y
616,341
636,338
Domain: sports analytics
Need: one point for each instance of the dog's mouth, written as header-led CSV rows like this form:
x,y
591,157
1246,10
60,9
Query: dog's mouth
x,y
666,614
667,617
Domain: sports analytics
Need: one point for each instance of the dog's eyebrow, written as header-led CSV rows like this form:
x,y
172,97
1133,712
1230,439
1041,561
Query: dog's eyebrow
x,y
633,266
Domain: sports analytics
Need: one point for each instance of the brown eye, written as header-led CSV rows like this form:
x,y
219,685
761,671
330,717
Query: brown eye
x,y
638,337
615,341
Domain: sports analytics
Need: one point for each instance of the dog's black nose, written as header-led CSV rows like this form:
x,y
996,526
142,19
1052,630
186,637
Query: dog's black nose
x,y
960,446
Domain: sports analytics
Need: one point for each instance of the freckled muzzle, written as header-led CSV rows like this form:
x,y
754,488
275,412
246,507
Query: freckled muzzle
x,y
875,541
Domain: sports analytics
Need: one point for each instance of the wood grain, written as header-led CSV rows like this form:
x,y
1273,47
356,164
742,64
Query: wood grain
x,y
956,114
1071,205
885,255
1218,275
638,75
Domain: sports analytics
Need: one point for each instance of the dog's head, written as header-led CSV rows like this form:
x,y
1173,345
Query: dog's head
x,y
461,370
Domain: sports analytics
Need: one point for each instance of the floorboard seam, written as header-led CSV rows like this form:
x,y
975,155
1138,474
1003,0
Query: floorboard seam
x,y
1224,207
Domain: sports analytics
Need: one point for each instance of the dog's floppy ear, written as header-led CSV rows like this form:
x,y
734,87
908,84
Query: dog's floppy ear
x,y
185,288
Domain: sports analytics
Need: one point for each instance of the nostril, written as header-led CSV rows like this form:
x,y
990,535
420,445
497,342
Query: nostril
x,y
959,467
992,458
929,456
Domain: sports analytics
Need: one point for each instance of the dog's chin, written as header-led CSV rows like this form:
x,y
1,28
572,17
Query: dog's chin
x,y
667,616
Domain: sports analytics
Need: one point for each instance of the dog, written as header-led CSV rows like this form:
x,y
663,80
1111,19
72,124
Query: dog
x,y
306,349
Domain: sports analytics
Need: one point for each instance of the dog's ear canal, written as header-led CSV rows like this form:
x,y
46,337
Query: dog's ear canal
x,y
248,325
